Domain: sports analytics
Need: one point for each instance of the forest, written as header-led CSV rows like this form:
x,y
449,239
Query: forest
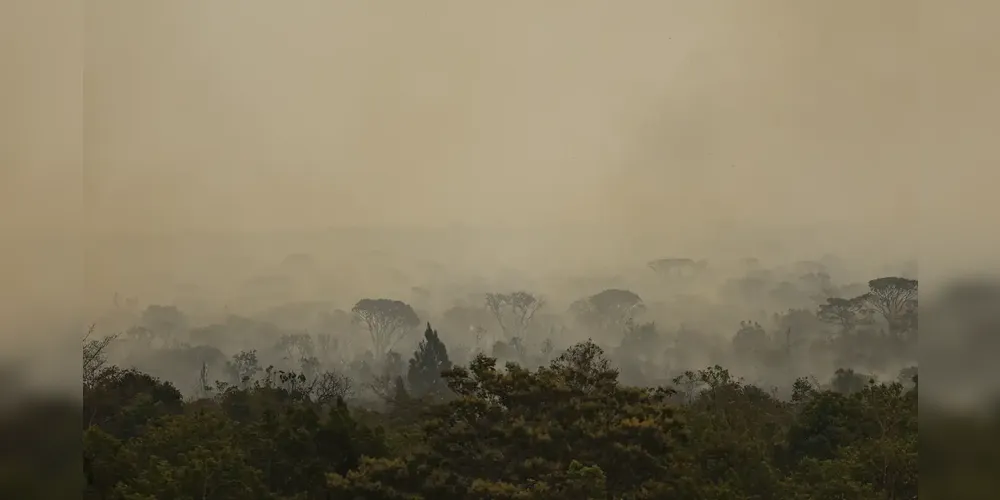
x,y
499,250
508,395
392,401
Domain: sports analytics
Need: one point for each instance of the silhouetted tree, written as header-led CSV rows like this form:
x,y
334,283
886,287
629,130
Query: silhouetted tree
x,y
892,297
751,338
95,355
609,310
513,311
387,321
243,368
428,362
845,313
640,341
163,321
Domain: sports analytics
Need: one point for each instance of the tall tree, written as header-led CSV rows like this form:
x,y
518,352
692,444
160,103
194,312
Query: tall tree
x,y
893,297
845,313
428,362
513,311
609,310
95,357
387,321
516,434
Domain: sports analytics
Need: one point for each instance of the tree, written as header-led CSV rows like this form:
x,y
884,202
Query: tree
x,y
123,402
329,387
609,310
387,321
163,321
751,338
296,346
892,297
515,433
283,449
818,284
388,384
243,368
188,456
641,342
908,321
513,311
570,430
95,356
798,320
845,313
863,444
428,362
847,381
139,335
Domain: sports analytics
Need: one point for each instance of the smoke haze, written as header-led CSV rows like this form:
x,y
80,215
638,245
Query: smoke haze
x,y
599,135
660,114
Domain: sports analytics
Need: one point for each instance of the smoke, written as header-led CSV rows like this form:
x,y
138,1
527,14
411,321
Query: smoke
x,y
317,114
590,137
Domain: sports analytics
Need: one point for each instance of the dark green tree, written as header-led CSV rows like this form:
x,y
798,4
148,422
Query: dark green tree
x,y
123,401
428,362
515,433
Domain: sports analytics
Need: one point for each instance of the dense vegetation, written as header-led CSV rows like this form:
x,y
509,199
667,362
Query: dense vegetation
x,y
545,425
566,430
524,416
561,422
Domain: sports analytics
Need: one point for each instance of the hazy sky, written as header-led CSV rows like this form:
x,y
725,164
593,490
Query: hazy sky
x,y
652,119
652,114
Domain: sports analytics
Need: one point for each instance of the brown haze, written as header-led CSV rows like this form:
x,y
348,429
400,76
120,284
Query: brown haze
x,y
649,128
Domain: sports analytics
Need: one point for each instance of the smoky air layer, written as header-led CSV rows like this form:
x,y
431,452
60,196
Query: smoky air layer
x,y
652,124
206,141
656,115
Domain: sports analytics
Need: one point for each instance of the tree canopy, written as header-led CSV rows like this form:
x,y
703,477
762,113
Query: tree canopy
x,y
387,322
567,430
429,361
608,310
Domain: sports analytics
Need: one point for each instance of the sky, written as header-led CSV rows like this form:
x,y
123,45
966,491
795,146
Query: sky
x,y
314,114
646,122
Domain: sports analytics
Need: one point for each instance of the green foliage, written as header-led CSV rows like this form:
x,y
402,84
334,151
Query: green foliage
x,y
271,439
243,367
428,362
122,402
567,430
514,434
